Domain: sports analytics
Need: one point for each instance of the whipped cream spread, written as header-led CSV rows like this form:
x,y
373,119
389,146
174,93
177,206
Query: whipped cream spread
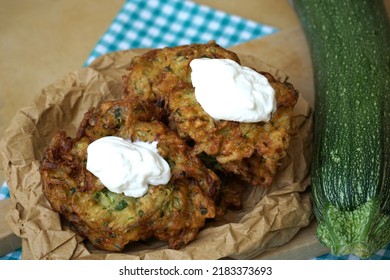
x,y
127,167
229,91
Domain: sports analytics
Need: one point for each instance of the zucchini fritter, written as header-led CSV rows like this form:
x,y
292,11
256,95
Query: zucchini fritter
x,y
249,150
211,161
174,212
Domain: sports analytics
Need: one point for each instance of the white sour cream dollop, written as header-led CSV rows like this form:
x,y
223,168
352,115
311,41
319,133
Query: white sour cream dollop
x,y
127,167
229,91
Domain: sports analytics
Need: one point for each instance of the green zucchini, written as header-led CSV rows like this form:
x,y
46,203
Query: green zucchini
x,y
350,49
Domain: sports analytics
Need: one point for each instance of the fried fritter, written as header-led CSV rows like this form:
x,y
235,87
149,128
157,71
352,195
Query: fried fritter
x,y
251,151
173,212
211,161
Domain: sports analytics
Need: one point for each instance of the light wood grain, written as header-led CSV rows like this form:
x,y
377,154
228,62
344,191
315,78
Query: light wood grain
x,y
41,41
276,13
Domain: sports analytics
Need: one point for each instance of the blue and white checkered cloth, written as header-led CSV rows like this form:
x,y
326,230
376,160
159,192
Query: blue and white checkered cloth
x,y
17,254
161,23
4,191
383,254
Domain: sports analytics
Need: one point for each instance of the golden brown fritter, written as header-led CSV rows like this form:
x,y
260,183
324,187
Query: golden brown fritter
x,y
249,150
211,161
173,212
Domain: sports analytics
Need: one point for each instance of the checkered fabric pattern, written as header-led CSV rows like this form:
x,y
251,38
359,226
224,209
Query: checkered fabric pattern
x,y
17,254
383,254
4,191
161,23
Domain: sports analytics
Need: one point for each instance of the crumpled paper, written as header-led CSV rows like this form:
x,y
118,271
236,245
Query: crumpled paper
x,y
270,217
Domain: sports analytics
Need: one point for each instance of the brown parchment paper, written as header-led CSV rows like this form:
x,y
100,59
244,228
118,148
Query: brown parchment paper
x,y
270,217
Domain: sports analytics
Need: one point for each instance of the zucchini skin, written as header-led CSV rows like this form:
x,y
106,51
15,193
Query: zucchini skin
x,y
350,49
